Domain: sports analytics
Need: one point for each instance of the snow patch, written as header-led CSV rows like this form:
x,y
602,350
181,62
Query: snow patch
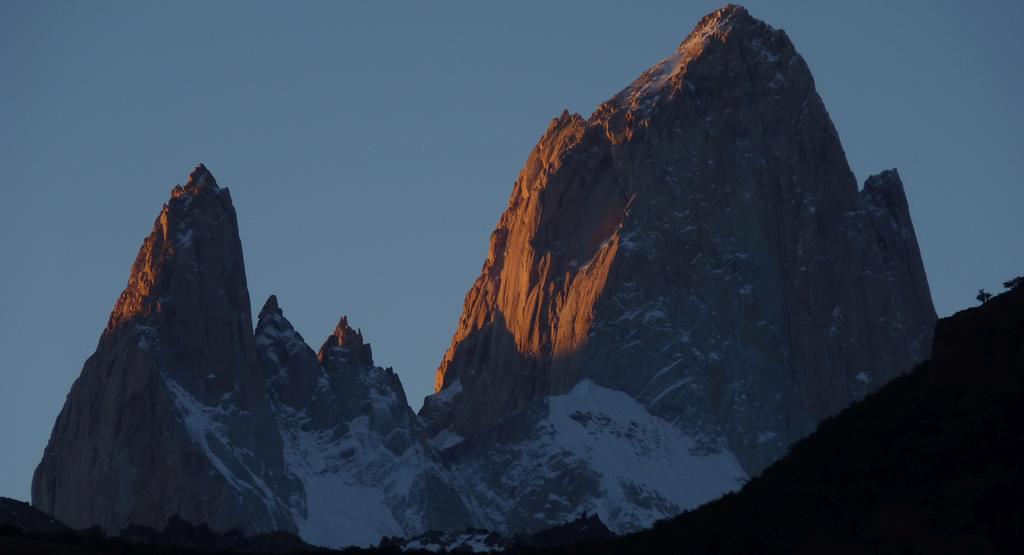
x,y
766,436
633,451
210,434
329,469
646,468
184,238
448,393
445,438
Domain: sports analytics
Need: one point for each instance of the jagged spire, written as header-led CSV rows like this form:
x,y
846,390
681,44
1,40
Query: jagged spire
x,y
270,307
179,337
197,213
201,178
347,335
350,342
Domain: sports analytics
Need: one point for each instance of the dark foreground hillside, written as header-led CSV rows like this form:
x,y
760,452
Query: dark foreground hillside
x,y
931,463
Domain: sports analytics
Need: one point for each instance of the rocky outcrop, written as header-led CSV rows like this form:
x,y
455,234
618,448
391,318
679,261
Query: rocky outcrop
x,y
185,411
350,438
169,415
699,246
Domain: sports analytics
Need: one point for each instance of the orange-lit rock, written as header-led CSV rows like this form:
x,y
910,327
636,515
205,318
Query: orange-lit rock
x,y
700,244
350,342
169,416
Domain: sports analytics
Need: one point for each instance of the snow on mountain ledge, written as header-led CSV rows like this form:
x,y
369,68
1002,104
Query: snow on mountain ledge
x,y
640,468
360,457
632,451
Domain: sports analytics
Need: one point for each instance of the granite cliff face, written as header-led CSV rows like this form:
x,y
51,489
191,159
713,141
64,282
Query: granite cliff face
x,y
683,285
698,248
185,411
169,414
349,435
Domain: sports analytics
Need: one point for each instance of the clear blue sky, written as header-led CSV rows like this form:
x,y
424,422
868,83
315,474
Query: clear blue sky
x,y
370,149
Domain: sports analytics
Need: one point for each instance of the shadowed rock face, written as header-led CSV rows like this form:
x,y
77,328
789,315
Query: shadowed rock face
x,y
350,438
169,416
186,411
700,244
22,516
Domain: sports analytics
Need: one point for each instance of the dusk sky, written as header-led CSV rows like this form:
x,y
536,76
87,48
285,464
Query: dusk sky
x,y
370,149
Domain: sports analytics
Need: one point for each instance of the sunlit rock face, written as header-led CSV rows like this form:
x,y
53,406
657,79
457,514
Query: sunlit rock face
x,y
698,246
169,416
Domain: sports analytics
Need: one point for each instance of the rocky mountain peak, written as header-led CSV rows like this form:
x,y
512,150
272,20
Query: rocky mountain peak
x,y
348,343
720,23
175,390
270,307
730,32
273,328
201,179
199,182
169,262
699,245
347,427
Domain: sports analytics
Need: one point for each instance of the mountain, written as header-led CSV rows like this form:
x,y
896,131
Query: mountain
x,y
928,464
683,284
350,437
185,412
169,416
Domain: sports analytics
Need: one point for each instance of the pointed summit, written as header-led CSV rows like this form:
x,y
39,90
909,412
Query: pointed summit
x,y
174,390
697,246
201,178
270,307
347,336
199,181
720,22
171,266
724,39
347,424
350,344
273,327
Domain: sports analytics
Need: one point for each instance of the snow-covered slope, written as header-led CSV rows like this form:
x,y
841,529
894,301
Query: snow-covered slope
x,y
593,450
350,438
